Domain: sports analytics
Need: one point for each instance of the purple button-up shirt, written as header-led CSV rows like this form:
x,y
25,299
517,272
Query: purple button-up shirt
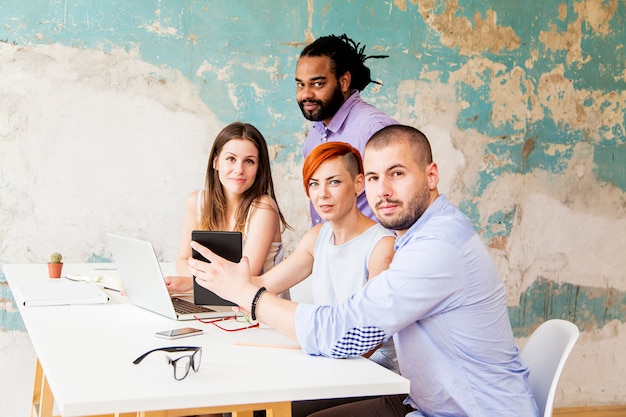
x,y
355,123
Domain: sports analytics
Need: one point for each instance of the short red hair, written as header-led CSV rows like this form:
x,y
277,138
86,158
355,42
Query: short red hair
x,y
329,150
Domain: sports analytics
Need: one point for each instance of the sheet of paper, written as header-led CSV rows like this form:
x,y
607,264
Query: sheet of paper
x,y
106,278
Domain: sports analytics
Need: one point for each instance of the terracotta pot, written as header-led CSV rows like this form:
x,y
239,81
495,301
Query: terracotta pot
x,y
54,270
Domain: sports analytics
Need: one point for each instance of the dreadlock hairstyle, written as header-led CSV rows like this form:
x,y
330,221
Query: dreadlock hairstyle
x,y
345,55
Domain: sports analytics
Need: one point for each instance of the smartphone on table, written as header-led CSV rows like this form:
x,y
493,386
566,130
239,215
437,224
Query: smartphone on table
x,y
178,333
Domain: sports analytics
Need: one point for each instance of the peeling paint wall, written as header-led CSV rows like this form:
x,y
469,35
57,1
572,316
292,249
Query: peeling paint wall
x,y
108,112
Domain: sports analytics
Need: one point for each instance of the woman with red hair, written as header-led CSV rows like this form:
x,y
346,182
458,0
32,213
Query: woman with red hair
x,y
341,254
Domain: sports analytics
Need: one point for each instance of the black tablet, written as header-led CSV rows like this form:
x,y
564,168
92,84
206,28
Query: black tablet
x,y
228,245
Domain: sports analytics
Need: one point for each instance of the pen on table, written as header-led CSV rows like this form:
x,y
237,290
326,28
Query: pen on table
x,y
78,278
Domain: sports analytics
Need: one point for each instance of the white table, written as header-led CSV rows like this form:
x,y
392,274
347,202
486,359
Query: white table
x,y
85,367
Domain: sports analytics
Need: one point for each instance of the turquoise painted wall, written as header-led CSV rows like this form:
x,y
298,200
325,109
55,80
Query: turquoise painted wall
x,y
248,50
525,103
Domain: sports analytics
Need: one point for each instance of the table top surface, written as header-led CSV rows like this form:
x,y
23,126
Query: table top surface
x,y
87,353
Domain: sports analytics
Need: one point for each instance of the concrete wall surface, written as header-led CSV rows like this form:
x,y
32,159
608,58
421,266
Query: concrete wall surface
x,y
108,111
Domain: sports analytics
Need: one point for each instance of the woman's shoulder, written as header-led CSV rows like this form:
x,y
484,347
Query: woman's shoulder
x,y
195,194
378,230
193,198
265,202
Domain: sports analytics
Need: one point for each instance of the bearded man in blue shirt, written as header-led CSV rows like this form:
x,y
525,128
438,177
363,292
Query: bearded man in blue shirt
x,y
442,299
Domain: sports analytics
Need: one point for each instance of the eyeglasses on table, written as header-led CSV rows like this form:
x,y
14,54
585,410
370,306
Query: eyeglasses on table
x,y
182,364
243,318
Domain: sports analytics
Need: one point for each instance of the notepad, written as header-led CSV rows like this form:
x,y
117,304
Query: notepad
x,y
62,292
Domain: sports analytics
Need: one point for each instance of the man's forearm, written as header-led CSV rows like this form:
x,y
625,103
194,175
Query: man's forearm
x,y
277,313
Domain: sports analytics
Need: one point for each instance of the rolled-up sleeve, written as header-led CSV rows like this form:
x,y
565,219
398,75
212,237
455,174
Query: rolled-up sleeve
x,y
305,314
319,333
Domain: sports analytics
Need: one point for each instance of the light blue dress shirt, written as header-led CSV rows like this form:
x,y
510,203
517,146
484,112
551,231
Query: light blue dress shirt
x,y
355,122
443,302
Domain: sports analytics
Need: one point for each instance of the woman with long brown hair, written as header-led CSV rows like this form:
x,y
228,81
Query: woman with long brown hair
x,y
238,195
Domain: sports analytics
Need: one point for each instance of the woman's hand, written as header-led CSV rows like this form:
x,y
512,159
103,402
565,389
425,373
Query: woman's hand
x,y
179,284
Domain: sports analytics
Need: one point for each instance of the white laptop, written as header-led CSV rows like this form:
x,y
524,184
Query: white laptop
x,y
144,285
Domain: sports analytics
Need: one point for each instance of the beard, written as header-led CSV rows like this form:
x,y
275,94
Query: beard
x,y
415,208
326,110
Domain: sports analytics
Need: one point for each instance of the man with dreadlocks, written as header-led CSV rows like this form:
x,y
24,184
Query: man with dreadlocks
x,y
329,76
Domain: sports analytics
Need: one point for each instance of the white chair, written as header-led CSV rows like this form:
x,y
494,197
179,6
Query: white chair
x,y
545,354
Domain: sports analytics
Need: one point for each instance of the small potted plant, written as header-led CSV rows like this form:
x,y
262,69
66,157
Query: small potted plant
x,y
55,265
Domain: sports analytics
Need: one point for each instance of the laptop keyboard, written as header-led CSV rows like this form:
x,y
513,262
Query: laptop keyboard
x,y
186,307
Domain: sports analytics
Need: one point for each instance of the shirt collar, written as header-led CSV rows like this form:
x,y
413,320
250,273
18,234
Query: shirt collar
x,y
434,207
342,114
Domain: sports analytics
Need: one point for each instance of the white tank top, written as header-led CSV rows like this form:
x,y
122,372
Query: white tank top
x,y
341,270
